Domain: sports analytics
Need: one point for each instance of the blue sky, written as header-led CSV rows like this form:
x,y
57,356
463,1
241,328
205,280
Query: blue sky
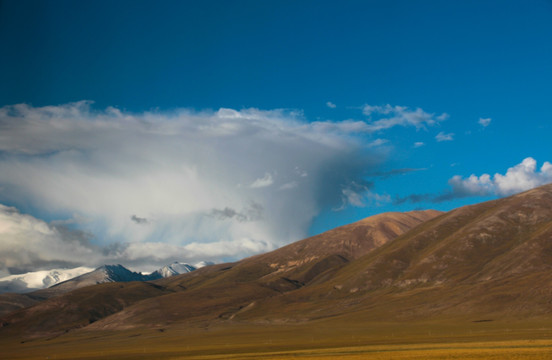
x,y
458,88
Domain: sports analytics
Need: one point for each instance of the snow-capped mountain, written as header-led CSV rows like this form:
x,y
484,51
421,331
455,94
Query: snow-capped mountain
x,y
176,268
61,280
203,263
119,273
39,279
103,274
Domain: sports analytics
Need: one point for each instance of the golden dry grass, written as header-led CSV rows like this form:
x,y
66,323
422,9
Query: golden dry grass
x,y
527,349
328,339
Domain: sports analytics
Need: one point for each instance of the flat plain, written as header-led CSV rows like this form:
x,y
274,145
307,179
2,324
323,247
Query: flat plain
x,y
340,338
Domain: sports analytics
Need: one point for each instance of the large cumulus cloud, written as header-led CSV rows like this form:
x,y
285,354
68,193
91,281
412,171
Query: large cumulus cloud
x,y
184,184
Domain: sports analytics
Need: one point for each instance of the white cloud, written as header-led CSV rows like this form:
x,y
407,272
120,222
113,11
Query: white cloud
x,y
158,177
473,185
289,185
344,127
359,195
381,118
391,116
331,105
265,181
301,172
444,137
27,243
418,144
484,122
521,177
377,142
353,197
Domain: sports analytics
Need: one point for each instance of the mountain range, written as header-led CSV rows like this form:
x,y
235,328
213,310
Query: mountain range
x,y
85,276
473,264
35,280
50,283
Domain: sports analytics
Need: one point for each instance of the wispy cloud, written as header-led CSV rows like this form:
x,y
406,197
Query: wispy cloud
x,y
139,220
331,105
265,181
377,142
444,137
289,185
381,118
389,116
395,172
253,212
484,121
360,195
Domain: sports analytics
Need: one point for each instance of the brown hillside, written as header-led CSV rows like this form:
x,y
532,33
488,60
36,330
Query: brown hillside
x,y
78,308
225,291
349,241
10,302
490,260
217,292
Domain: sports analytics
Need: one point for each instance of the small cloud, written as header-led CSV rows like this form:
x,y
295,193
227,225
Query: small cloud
x,y
228,213
444,137
443,117
377,142
265,181
301,172
252,212
289,185
359,195
395,172
353,197
139,220
418,144
391,116
331,105
413,198
484,121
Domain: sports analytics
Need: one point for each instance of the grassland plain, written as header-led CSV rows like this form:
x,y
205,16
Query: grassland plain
x,y
337,338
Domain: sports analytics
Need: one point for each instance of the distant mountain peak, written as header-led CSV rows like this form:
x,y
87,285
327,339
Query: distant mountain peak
x,y
203,264
69,279
118,273
176,268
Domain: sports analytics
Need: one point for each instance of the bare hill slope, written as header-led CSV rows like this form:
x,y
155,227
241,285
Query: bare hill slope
x,y
216,292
